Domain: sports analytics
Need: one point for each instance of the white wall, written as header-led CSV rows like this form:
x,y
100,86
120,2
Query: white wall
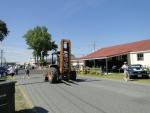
x,y
145,62
78,62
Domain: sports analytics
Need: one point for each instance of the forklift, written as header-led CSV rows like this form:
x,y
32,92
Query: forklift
x,y
60,69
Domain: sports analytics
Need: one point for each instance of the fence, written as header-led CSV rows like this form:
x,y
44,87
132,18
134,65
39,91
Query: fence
x,y
90,71
7,97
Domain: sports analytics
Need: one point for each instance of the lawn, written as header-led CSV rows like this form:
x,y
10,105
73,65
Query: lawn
x,y
118,76
22,105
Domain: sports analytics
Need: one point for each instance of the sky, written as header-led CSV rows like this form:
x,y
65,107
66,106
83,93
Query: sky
x,y
86,23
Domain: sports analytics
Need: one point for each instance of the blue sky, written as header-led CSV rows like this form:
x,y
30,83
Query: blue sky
x,y
105,22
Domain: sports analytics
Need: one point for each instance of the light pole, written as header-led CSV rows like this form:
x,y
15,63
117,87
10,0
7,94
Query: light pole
x,y
1,57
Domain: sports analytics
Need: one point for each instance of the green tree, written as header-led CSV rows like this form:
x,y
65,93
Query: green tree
x,y
40,41
3,30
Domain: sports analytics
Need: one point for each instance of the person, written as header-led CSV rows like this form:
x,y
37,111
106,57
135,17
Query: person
x,y
125,69
27,71
114,68
12,71
46,74
16,69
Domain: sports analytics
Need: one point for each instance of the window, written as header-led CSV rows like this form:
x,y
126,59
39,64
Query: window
x,y
140,57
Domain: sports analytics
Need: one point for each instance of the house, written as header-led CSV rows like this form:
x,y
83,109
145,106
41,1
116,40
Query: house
x,y
133,53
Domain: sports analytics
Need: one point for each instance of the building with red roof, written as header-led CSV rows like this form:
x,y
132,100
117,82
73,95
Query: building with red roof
x,y
133,53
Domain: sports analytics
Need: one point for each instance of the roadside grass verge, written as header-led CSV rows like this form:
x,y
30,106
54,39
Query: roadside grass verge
x,y
21,104
117,76
144,81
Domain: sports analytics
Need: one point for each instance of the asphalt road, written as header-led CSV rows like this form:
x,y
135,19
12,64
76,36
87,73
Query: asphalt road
x,y
87,95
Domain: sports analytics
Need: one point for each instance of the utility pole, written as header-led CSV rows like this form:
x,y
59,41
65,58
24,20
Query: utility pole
x,y
1,57
94,46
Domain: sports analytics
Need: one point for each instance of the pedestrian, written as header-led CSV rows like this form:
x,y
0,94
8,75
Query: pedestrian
x,y
114,68
47,74
27,71
12,71
125,69
16,69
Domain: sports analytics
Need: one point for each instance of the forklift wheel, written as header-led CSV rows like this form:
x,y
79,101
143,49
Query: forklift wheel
x,y
54,75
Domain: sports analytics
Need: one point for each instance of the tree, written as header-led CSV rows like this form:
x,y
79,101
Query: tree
x,y
40,41
3,30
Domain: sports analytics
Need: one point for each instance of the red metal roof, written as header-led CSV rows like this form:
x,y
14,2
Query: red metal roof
x,y
119,49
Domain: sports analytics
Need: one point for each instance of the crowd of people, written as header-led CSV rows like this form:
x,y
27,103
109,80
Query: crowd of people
x,y
13,70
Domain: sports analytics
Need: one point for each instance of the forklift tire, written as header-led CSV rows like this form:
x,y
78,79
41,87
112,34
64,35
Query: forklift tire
x,y
54,75
73,75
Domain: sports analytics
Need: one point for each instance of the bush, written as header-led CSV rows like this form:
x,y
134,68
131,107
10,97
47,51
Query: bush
x,y
92,71
43,62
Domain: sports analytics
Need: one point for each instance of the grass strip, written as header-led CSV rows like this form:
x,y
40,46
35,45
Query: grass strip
x,y
22,104
118,76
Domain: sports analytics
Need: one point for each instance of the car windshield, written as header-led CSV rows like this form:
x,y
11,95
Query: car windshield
x,y
136,67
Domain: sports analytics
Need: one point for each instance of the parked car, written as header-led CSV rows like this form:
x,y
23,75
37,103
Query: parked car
x,y
3,71
21,67
137,71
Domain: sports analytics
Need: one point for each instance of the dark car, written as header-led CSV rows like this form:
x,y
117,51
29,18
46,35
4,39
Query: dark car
x,y
3,71
137,71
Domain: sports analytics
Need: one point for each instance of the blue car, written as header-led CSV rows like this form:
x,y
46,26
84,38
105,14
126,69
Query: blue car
x,y
3,71
137,71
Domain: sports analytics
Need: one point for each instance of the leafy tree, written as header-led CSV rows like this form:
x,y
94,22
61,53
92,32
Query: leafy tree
x,y
40,41
3,30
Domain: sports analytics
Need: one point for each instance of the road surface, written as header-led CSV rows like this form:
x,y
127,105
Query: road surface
x,y
87,95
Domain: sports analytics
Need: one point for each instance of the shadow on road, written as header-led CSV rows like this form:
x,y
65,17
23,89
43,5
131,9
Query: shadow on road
x,y
40,110
73,82
33,110
32,83
133,79
86,80
138,79
62,81
70,82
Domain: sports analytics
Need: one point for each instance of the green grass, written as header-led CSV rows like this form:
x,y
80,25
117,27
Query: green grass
x,y
118,76
21,104
145,81
113,76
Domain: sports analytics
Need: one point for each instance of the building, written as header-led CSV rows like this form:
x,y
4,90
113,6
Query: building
x,y
133,53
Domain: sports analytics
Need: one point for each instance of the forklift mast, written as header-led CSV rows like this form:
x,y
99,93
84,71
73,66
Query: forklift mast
x,y
61,70
65,57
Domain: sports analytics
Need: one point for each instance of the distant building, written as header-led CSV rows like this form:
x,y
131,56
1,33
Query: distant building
x,y
133,53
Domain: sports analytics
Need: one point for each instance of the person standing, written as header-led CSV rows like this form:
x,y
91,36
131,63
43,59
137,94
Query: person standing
x,y
27,71
125,69
16,69
12,71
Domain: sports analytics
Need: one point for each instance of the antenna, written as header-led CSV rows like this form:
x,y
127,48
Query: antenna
x,y
94,46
